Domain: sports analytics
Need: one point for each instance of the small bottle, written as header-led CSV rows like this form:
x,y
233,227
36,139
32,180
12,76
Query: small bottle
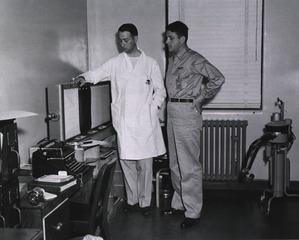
x,y
79,152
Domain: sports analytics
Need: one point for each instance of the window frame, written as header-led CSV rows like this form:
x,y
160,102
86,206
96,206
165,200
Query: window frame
x,y
176,10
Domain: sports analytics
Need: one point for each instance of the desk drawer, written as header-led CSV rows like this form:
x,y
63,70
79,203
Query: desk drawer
x,y
56,224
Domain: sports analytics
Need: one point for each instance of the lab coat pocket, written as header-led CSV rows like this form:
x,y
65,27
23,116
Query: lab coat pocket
x,y
115,112
145,123
154,115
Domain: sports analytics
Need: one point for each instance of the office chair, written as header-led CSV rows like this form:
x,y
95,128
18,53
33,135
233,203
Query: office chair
x,y
92,218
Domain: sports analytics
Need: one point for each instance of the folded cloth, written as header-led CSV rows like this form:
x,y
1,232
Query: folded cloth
x,y
90,237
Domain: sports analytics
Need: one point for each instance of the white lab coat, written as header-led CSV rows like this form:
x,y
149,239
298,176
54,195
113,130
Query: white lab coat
x,y
137,92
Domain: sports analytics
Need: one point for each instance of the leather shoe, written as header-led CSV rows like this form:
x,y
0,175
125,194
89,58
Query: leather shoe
x,y
129,207
171,212
146,211
189,222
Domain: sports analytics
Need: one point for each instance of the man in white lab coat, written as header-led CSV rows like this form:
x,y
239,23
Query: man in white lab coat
x,y
137,95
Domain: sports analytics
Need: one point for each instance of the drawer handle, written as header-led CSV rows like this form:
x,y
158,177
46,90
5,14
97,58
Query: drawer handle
x,y
58,226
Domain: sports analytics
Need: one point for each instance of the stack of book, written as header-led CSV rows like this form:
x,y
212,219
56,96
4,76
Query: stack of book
x,y
25,169
53,183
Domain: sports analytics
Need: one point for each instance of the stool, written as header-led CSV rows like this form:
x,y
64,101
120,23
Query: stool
x,y
160,173
160,169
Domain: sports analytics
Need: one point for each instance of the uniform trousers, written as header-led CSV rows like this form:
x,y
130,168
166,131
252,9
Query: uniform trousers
x,y
138,176
184,126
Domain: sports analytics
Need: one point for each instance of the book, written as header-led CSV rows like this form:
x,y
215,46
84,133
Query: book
x,y
52,187
54,178
25,169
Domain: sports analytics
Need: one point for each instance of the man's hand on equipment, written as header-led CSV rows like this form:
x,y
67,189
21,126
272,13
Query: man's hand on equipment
x,y
80,81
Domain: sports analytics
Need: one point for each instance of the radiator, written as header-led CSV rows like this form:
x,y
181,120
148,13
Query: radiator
x,y
223,147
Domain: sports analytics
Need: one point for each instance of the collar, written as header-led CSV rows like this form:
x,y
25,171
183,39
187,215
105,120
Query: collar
x,y
181,53
142,53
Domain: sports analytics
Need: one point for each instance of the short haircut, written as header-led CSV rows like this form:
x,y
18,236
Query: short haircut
x,y
179,28
129,27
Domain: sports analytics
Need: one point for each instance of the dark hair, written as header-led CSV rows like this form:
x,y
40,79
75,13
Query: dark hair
x,y
129,27
179,28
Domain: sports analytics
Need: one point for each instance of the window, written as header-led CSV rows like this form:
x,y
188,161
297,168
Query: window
x,y
229,34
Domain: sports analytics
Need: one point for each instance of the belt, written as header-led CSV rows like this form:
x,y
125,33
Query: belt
x,y
180,100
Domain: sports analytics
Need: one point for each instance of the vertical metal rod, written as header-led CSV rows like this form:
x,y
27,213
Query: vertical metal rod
x,y
217,153
222,151
211,146
206,160
228,153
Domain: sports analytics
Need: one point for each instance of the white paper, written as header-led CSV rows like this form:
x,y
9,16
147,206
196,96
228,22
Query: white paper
x,y
48,196
55,178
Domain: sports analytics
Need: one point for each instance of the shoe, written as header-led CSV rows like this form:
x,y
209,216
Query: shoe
x,y
171,212
129,207
146,211
189,222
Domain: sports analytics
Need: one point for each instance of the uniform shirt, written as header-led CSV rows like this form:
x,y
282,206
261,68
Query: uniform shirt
x,y
185,75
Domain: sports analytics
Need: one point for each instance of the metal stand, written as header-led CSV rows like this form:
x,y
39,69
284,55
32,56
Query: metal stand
x,y
278,140
279,174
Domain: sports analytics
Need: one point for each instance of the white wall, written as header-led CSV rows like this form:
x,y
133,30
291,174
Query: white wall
x,y
106,16
31,57
280,73
281,67
280,79
41,42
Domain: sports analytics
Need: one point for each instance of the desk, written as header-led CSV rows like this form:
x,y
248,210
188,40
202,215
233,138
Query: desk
x,y
51,216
